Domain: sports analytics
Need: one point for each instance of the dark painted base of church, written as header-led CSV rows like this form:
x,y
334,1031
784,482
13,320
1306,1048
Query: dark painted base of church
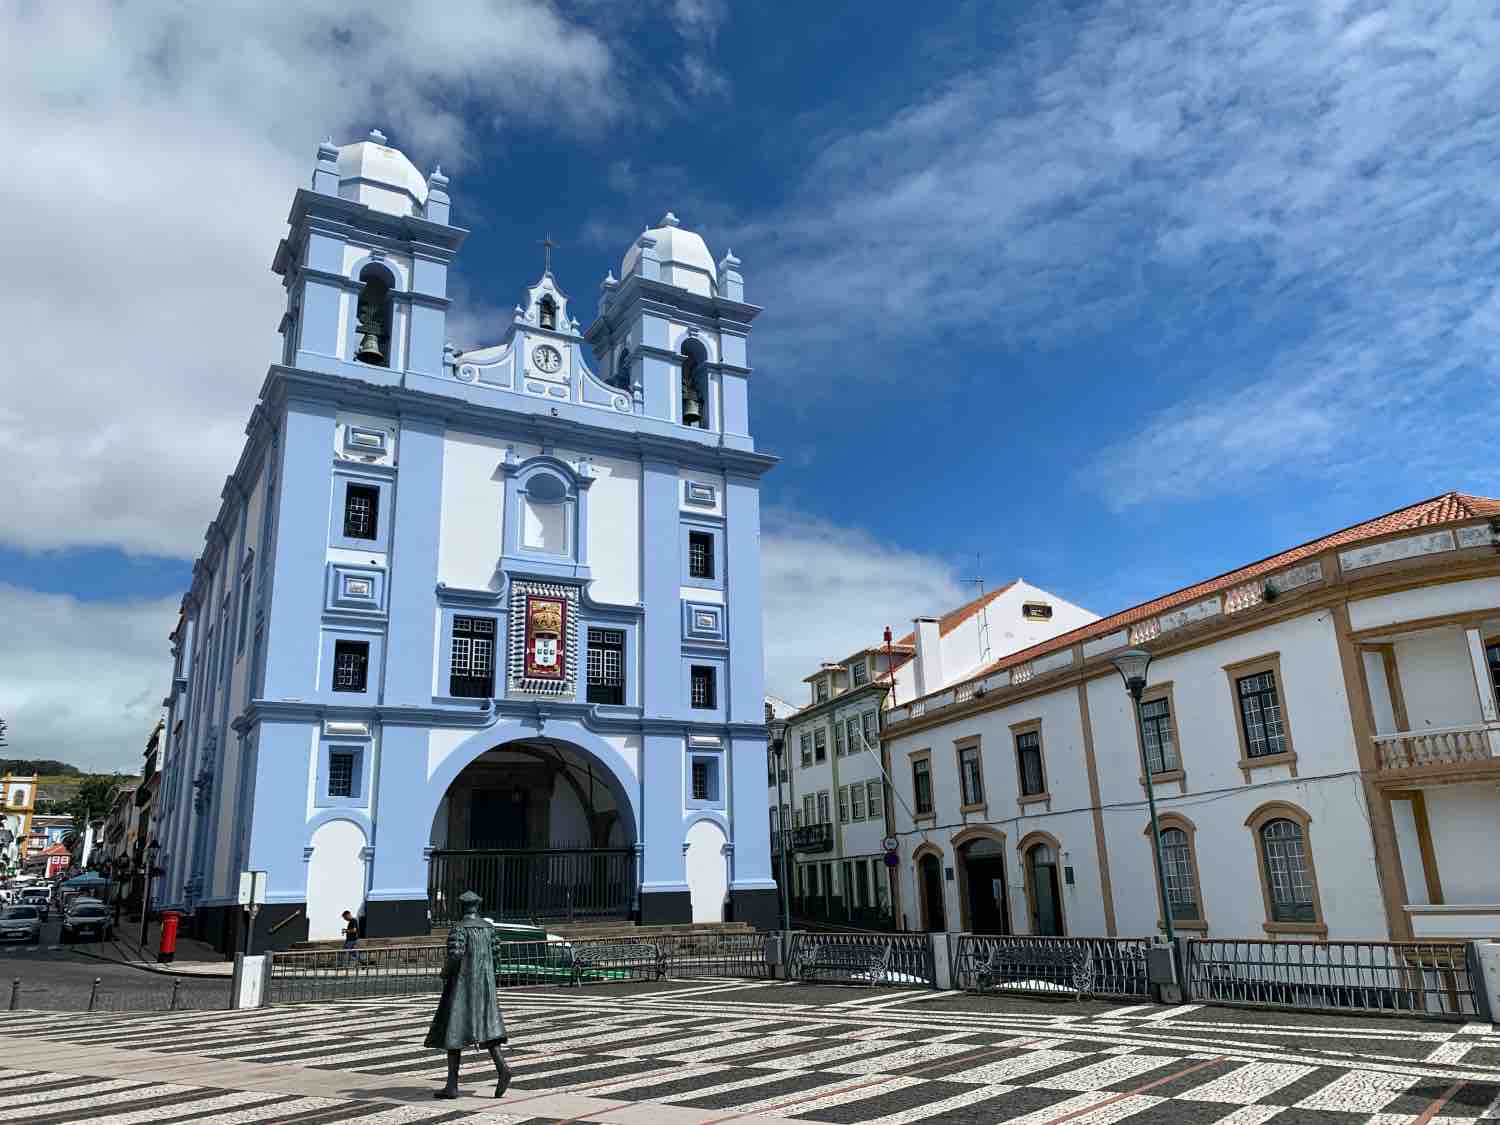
x,y
666,908
277,926
395,919
762,909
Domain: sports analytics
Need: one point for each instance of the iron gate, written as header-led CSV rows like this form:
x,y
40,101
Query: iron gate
x,y
524,884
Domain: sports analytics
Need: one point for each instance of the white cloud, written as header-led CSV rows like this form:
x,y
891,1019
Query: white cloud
x,y
152,150
1324,169
848,583
83,681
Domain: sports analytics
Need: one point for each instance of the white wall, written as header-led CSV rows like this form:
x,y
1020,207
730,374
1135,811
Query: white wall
x,y
335,878
707,870
1436,600
614,531
473,509
1465,825
1437,678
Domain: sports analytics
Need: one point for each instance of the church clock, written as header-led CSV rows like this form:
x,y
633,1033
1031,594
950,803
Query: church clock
x,y
547,358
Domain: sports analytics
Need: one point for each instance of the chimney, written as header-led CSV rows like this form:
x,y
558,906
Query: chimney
x,y
929,655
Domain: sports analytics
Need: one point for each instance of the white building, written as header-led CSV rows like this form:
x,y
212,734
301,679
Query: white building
x,y
833,793
1323,737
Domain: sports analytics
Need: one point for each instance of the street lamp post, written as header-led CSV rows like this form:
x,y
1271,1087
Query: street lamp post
x,y
153,849
778,748
1132,665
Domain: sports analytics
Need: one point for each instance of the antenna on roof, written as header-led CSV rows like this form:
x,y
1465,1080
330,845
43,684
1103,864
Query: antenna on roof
x,y
984,617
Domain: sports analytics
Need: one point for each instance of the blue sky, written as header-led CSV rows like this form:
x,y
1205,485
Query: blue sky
x,y
1112,296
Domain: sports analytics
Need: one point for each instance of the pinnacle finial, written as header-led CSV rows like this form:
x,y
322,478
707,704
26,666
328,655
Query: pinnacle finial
x,y
377,136
670,220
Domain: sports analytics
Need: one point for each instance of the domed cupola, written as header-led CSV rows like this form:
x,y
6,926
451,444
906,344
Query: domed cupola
x,y
382,177
684,257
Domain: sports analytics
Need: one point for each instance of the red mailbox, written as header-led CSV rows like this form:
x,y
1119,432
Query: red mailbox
x,y
168,947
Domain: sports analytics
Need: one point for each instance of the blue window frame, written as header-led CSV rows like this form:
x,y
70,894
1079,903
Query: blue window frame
x,y
702,553
343,774
360,516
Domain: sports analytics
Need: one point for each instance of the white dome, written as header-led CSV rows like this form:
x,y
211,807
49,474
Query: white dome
x,y
382,177
685,260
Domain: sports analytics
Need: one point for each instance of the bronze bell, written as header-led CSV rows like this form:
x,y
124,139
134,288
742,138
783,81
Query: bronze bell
x,y
692,406
369,336
369,348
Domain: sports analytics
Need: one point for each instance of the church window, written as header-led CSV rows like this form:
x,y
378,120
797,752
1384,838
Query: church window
x,y
341,773
606,666
700,554
705,778
361,511
372,332
547,313
351,660
472,671
704,693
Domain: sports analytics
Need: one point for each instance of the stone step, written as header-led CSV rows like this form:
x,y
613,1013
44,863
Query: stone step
x,y
569,931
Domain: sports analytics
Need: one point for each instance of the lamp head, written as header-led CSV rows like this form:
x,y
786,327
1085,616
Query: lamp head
x,y
1132,665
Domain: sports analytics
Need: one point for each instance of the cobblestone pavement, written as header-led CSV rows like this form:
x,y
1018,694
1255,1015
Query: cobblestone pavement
x,y
719,1051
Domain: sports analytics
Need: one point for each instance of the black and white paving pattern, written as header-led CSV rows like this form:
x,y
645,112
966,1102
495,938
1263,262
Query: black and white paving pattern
x,y
749,1052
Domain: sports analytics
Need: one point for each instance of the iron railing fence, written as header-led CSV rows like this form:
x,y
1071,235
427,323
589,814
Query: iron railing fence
x,y
862,958
181,994
1405,978
325,974
1080,966
531,885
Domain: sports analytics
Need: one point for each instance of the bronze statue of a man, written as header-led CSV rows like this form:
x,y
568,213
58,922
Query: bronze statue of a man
x,y
469,1012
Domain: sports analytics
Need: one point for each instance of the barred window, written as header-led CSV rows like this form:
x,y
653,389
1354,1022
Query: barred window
x,y
1156,733
361,511
1260,709
351,661
921,785
606,666
1029,754
704,694
341,773
700,554
471,671
970,776
1177,869
700,780
1288,874
875,792
820,744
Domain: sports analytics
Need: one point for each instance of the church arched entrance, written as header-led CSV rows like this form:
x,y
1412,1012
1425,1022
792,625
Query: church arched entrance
x,y
541,830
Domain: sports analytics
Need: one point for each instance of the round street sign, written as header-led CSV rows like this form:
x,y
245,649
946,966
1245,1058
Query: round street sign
x,y
891,844
892,859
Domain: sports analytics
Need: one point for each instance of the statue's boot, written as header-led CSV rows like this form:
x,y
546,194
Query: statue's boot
x,y
502,1068
451,1089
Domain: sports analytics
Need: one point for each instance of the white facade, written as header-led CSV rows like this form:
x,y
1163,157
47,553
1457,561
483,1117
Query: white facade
x,y
1324,740
834,795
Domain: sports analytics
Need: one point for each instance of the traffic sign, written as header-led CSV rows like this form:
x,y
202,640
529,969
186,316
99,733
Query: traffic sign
x,y
891,844
892,859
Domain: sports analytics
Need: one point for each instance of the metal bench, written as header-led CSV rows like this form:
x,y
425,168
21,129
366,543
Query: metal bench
x,y
815,956
632,955
1062,964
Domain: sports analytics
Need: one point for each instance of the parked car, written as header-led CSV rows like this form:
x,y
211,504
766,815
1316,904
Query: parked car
x,y
41,898
87,921
21,923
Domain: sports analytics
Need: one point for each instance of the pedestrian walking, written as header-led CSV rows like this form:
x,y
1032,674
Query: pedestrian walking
x,y
351,939
468,1012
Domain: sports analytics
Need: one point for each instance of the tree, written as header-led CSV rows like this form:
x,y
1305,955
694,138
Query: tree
x,y
92,801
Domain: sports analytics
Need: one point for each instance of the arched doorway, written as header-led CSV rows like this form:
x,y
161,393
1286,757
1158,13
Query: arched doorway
x,y
540,829
707,870
1043,887
335,877
930,887
982,861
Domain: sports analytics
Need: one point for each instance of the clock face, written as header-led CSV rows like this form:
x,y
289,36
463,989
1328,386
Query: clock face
x,y
547,358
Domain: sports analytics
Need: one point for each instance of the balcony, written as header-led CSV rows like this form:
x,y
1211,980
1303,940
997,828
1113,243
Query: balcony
x,y
809,838
1437,749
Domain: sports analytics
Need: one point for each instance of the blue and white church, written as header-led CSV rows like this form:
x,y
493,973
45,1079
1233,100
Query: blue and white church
x,y
486,619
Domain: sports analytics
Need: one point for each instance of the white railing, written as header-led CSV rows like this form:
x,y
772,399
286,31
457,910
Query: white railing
x,y
1437,746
